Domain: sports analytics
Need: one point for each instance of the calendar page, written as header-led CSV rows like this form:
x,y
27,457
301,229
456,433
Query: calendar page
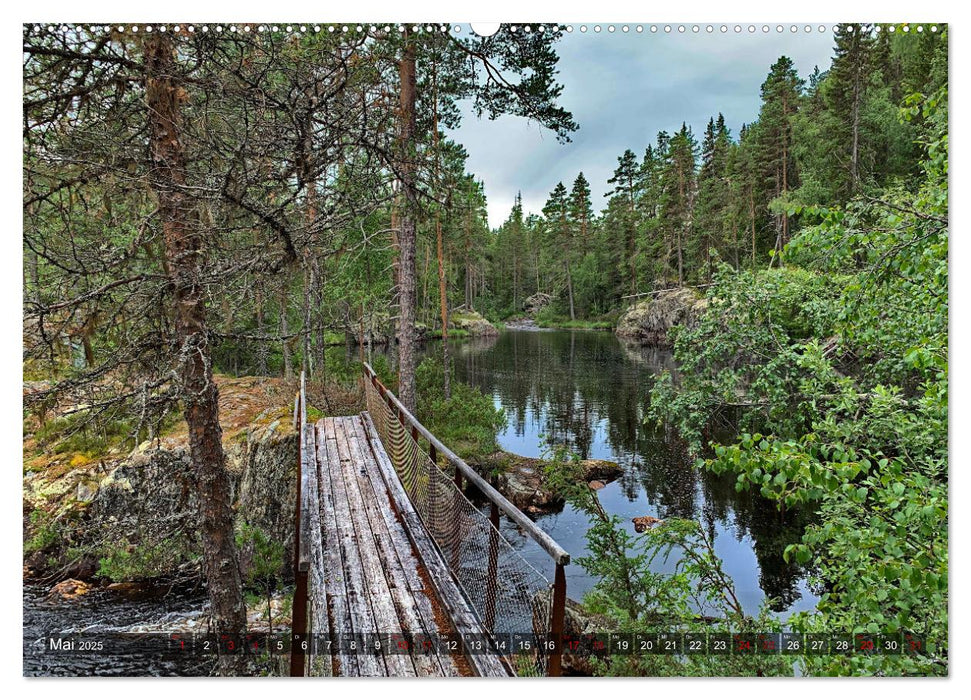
x,y
382,349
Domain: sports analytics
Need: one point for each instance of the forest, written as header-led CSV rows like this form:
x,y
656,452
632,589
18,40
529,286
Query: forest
x,y
212,201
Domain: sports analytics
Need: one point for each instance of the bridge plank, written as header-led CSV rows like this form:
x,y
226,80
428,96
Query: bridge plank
x,y
462,616
362,618
414,609
376,587
335,594
320,664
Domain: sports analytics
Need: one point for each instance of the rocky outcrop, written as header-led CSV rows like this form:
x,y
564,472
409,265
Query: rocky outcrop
x,y
472,323
649,321
522,479
142,507
267,464
645,522
536,303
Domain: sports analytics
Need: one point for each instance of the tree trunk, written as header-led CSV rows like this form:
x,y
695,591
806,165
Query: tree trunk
x,y
308,283
751,210
183,251
261,369
406,236
569,289
285,330
855,159
444,307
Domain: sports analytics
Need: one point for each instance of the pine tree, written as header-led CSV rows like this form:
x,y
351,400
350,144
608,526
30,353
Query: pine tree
x,y
627,181
678,189
559,231
781,93
848,84
712,205
581,211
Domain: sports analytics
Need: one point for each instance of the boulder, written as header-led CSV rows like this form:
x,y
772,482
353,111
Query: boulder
x,y
645,522
536,303
649,321
472,323
68,589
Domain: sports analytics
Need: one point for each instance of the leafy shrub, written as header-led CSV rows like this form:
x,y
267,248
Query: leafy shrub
x,y
467,422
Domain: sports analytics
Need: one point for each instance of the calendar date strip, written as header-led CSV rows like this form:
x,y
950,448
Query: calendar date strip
x,y
605,644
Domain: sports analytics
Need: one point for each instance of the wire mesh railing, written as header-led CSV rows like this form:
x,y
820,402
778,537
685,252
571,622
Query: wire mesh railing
x,y
508,595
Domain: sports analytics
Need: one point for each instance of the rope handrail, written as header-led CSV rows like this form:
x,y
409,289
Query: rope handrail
x,y
547,543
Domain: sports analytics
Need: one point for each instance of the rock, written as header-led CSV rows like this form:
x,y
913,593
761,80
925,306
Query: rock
x,y
536,303
522,479
472,323
87,490
148,498
523,324
645,522
650,320
596,485
69,589
600,470
267,463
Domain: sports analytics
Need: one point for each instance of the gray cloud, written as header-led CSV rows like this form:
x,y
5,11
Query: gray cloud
x,y
622,90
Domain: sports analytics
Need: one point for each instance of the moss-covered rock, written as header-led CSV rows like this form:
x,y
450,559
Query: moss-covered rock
x,y
649,321
472,323
135,514
522,479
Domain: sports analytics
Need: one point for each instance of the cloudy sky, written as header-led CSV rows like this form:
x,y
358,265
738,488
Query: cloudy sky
x,y
622,90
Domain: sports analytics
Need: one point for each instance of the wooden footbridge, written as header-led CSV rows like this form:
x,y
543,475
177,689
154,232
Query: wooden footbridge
x,y
398,572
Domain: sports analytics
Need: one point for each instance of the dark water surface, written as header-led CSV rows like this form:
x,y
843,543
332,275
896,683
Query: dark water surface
x,y
590,390
101,613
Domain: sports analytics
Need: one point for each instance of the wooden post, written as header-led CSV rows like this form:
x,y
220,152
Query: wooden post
x,y
298,626
557,615
491,583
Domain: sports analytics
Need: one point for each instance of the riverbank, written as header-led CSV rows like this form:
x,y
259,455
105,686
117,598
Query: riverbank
x,y
523,479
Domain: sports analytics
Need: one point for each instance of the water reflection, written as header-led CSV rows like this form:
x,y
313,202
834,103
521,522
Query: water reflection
x,y
590,391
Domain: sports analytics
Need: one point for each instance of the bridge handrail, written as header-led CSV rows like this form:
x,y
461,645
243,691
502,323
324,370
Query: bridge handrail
x,y
559,555
302,537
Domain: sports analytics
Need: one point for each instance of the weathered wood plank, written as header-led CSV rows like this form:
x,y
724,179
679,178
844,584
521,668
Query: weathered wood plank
x,y
376,584
320,664
335,595
362,617
451,597
392,544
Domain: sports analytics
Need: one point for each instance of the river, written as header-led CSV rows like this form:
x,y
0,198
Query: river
x,y
586,389
590,391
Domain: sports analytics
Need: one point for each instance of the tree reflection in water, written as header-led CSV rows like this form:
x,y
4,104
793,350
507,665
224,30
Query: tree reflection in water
x,y
590,391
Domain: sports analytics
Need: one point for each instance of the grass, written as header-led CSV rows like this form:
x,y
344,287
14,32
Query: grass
x,y
548,319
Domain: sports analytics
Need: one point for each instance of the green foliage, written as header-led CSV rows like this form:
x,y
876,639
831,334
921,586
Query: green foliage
x,y
467,421
846,381
265,556
125,561
80,433
45,533
698,596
